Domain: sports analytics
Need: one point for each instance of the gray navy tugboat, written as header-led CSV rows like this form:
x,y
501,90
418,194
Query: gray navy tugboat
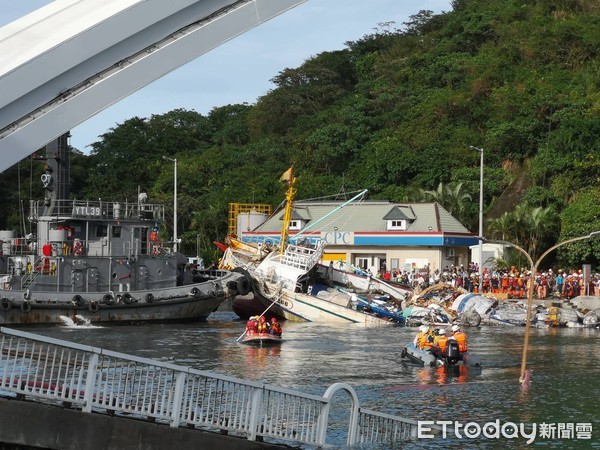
x,y
101,261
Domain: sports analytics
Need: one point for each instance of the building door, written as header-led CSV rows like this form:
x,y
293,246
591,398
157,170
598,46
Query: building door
x,y
374,263
364,262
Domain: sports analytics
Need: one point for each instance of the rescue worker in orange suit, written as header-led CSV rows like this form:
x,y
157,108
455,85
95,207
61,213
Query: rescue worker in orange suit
x,y
263,326
440,344
251,325
461,338
276,329
423,340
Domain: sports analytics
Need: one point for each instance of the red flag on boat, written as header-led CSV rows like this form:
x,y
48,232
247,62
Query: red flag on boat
x,y
220,246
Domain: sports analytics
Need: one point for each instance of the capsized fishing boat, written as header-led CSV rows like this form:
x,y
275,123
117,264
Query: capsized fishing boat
x,y
287,282
244,257
101,260
345,274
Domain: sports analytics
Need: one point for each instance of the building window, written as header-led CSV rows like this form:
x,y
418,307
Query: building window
x,y
295,224
396,225
101,231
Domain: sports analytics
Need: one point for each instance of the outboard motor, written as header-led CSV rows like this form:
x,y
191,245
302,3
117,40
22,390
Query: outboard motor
x,y
452,353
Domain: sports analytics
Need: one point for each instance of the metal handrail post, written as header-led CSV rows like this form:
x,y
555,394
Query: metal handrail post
x,y
90,382
255,413
178,399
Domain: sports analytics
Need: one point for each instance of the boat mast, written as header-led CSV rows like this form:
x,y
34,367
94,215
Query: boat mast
x,y
56,179
308,227
289,201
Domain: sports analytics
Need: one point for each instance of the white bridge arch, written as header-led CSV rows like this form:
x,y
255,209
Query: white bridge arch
x,y
69,60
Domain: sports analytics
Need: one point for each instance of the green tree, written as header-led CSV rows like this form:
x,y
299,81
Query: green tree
x,y
451,197
581,218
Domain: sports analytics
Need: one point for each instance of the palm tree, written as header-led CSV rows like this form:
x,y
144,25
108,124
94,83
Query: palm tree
x,y
502,227
543,224
530,227
450,197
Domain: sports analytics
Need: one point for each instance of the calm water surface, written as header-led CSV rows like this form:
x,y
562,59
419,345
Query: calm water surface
x,y
565,366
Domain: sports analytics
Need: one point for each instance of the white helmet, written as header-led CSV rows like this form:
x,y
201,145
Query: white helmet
x,y
442,331
455,328
423,328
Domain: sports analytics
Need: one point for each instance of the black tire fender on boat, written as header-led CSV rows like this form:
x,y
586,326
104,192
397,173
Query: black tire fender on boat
x,y
127,298
93,306
150,298
5,304
108,299
195,292
403,353
26,306
243,286
77,300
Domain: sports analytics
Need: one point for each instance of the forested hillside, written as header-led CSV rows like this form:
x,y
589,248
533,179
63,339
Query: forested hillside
x,y
395,112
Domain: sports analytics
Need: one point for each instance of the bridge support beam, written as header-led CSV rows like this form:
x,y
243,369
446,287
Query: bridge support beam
x,y
72,59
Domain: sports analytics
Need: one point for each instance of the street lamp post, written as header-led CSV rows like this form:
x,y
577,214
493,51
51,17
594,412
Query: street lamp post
x,y
523,379
480,150
174,160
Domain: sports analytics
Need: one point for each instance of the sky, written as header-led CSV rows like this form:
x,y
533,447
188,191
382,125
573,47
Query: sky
x,y
213,79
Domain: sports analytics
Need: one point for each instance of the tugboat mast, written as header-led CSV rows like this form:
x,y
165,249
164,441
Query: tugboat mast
x,y
56,178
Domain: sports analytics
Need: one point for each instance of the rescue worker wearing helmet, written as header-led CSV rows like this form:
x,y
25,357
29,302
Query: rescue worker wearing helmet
x,y
440,344
252,325
423,340
461,338
276,329
263,326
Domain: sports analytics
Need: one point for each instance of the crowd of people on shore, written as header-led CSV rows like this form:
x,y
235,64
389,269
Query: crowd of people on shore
x,y
513,281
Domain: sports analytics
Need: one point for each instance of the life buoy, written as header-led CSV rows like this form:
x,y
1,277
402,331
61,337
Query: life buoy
x,y
149,298
155,250
5,304
25,306
195,292
243,286
93,306
77,300
108,299
77,247
127,298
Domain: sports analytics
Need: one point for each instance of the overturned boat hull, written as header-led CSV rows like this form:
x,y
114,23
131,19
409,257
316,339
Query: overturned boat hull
x,y
304,307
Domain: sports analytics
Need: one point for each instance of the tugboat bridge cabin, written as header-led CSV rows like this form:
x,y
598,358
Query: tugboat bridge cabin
x,y
97,245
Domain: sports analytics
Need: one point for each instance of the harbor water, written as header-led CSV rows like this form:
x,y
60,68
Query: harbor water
x,y
560,402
